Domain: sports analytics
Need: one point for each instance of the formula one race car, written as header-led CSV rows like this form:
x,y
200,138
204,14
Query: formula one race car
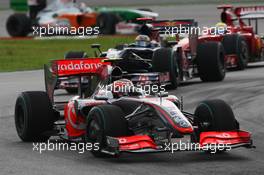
x,y
62,16
118,117
241,41
183,58
178,60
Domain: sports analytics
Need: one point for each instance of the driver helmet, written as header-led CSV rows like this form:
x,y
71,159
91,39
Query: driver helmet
x,y
142,41
220,28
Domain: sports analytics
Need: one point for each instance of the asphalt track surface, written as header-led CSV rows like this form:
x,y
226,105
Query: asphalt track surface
x,y
243,90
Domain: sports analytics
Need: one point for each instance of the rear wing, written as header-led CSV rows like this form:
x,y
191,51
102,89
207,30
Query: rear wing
x,y
175,26
76,67
250,12
72,68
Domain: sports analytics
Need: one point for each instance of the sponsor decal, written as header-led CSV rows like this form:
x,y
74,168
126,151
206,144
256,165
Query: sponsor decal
x,y
72,67
248,10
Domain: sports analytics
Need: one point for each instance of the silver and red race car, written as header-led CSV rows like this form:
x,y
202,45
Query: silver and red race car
x,y
119,117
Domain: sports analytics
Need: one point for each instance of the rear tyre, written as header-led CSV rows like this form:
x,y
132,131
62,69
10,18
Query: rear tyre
x,y
18,25
33,116
107,23
102,121
165,60
210,61
236,44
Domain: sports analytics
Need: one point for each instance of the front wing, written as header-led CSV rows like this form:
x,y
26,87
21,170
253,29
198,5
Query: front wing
x,y
208,141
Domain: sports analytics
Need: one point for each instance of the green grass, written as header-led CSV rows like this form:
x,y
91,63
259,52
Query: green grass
x,y
18,55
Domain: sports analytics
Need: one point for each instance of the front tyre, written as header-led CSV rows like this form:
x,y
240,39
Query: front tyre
x,y
213,115
33,116
102,121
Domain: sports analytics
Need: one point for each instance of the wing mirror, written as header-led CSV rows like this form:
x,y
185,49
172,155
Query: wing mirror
x,y
163,94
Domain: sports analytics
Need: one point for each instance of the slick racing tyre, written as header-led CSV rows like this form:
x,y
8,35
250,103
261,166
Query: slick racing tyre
x,y
210,61
236,44
33,116
213,115
71,56
107,23
18,25
102,121
164,60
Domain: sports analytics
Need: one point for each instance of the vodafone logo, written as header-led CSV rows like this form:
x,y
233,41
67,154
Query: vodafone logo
x,y
79,66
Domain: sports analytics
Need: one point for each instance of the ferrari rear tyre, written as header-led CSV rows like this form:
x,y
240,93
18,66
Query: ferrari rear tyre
x,y
236,44
33,116
107,23
165,60
18,25
210,61
102,121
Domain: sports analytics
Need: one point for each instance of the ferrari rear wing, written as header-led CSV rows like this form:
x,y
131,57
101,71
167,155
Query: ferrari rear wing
x,y
250,12
58,69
